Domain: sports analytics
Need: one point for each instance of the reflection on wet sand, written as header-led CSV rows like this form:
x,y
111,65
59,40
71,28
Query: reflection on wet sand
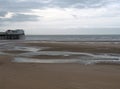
x,y
42,51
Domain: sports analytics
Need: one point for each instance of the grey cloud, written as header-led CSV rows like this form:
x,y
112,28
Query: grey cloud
x,y
21,18
79,3
21,6
26,5
17,7
2,13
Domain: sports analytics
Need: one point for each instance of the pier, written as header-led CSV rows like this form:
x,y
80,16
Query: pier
x,y
12,35
9,36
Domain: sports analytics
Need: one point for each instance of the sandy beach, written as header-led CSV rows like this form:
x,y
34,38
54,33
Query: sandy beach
x,y
15,75
59,76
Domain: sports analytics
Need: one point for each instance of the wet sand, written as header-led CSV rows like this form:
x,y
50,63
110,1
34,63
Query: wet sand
x,y
61,76
89,47
58,76
4,59
14,51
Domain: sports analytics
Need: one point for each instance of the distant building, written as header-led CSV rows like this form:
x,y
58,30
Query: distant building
x,y
12,34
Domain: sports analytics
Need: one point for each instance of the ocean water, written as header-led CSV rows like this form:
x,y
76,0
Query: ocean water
x,y
74,37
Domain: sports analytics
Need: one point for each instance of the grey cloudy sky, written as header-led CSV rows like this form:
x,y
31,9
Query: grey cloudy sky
x,y
61,16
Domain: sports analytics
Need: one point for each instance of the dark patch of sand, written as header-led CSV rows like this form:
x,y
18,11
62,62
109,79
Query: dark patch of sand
x,y
91,47
14,51
55,56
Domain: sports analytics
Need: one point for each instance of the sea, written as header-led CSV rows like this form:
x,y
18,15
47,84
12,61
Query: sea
x,y
73,37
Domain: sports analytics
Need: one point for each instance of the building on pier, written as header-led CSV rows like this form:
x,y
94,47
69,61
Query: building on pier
x,y
12,34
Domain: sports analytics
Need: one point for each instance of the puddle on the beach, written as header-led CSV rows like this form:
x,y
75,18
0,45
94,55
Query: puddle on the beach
x,y
54,53
10,50
32,49
1,53
78,54
30,60
82,60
